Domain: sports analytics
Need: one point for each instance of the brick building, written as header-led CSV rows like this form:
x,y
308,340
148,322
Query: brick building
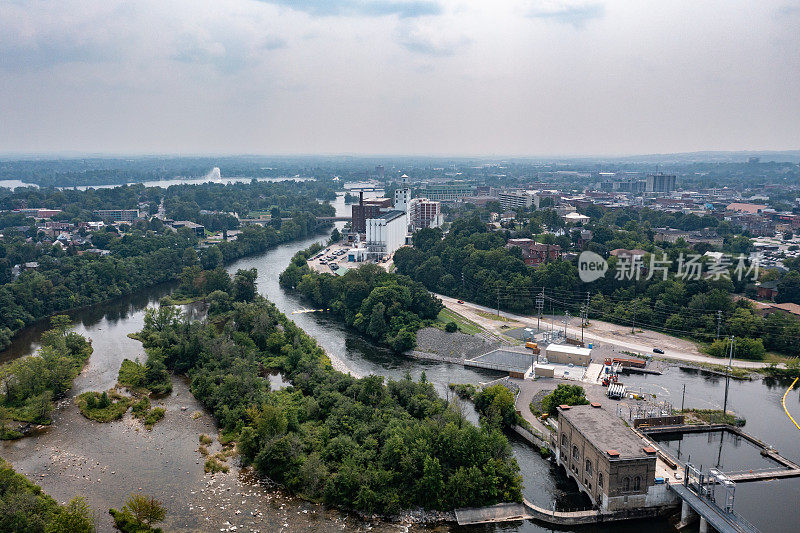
x,y
610,463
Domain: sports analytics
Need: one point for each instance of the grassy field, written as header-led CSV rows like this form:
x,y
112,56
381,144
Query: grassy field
x,y
494,316
464,325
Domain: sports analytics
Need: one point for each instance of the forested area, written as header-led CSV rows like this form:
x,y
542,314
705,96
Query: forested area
x,y
24,507
387,307
182,202
146,254
32,384
472,263
354,443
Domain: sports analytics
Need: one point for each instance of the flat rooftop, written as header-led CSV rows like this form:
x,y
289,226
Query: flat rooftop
x,y
568,348
605,431
391,215
507,360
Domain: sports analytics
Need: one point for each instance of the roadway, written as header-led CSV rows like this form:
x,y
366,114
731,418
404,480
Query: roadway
x,y
598,332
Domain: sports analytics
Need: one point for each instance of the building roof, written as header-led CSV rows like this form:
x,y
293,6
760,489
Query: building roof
x,y
788,307
605,431
746,208
388,216
568,348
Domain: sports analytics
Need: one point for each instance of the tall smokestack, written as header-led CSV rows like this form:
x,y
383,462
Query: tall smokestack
x,y
360,197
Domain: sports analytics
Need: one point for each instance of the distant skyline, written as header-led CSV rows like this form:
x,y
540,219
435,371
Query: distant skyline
x,y
542,78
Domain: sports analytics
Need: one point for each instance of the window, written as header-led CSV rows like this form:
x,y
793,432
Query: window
x,y
637,482
600,480
575,453
626,484
563,439
588,468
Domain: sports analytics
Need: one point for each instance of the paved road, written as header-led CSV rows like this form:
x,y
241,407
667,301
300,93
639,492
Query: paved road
x,y
674,348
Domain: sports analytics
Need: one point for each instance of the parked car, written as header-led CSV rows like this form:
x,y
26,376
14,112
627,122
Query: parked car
x,y
461,301
658,350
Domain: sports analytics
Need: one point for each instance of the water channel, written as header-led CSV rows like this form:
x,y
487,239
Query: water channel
x,y
105,462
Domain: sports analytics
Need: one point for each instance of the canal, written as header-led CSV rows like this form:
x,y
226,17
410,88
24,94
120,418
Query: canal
x,y
105,462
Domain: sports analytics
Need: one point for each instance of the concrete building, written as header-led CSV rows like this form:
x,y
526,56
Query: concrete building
x,y
198,229
610,463
118,215
518,199
365,209
445,193
565,354
386,233
402,196
660,182
425,213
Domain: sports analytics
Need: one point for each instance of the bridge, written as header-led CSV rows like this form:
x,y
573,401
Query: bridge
x,y
263,221
710,514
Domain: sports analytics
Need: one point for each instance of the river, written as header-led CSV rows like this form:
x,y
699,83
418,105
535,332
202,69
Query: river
x,y
105,462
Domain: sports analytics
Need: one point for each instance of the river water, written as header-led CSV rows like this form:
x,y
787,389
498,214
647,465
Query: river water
x,y
105,462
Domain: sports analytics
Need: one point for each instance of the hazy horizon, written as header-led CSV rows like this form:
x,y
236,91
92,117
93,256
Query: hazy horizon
x,y
546,79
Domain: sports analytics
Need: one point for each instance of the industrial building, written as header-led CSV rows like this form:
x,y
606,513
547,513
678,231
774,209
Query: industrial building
x,y
565,354
386,233
365,209
610,463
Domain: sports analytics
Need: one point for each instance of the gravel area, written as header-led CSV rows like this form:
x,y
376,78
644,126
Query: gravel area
x,y
453,347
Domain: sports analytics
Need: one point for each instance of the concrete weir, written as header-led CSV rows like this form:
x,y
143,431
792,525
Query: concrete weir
x,y
508,512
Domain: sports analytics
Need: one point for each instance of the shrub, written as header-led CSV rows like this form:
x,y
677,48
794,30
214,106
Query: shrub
x,y
104,410
205,439
451,327
153,416
213,466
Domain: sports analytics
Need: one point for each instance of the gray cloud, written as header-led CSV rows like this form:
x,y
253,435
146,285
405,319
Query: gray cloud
x,y
576,14
364,8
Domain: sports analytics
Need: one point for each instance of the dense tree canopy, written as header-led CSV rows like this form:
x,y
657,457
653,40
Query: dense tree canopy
x,y
387,307
355,443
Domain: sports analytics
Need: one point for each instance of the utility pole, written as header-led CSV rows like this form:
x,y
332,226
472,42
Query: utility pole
x,y
727,381
683,397
498,300
584,314
719,321
539,306
633,325
566,319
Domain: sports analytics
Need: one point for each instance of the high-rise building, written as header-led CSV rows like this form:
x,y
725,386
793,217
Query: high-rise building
x,y
517,199
380,171
660,183
425,213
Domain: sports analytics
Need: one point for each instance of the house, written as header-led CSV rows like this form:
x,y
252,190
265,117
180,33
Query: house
x,y
535,254
575,218
628,254
767,290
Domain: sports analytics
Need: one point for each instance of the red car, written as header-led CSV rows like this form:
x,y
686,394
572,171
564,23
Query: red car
x,y
461,301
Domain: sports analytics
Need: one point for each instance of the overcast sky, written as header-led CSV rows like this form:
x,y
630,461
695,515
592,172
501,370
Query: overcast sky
x,y
517,77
